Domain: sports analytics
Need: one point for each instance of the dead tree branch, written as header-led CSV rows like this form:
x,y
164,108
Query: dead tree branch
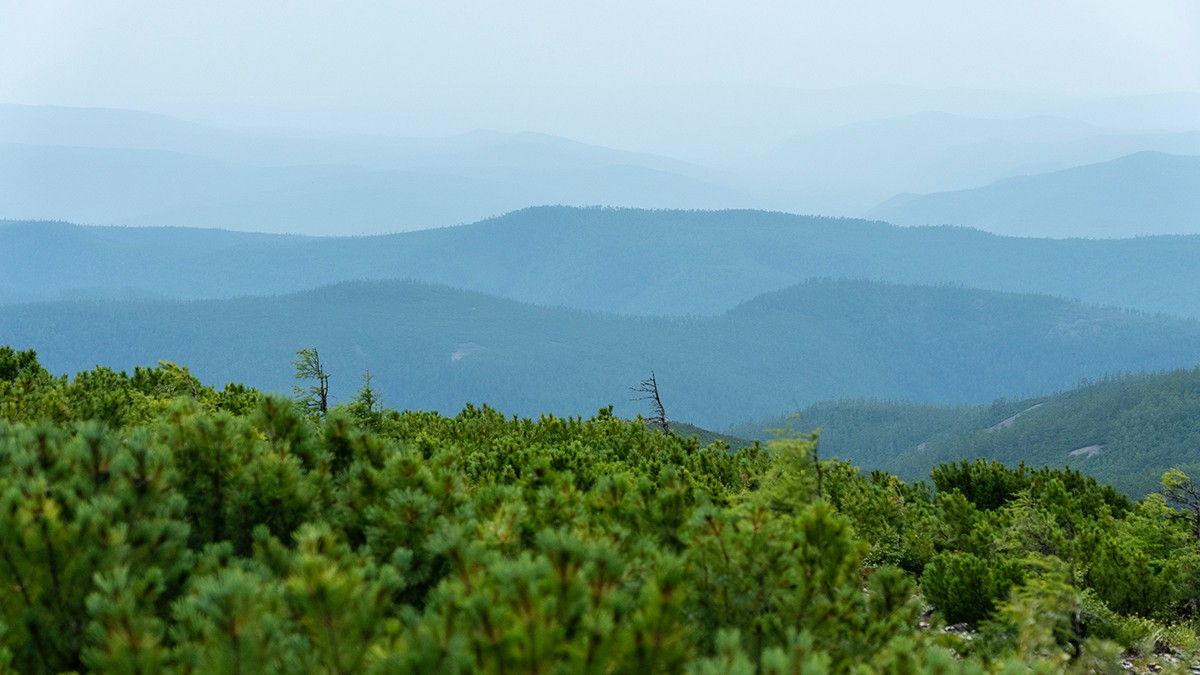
x,y
649,387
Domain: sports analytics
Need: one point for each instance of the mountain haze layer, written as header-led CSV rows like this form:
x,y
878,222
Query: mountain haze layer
x,y
1147,193
128,168
849,169
104,166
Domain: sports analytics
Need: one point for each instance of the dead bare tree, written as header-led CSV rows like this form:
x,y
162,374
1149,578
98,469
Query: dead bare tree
x,y
649,387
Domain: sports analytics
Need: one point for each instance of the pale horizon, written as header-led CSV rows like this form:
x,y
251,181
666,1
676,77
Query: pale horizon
x,y
427,68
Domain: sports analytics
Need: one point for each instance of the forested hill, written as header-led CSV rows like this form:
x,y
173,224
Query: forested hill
x,y
435,347
612,260
1124,430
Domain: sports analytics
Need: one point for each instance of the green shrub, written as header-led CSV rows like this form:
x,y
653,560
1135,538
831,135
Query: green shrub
x,y
965,587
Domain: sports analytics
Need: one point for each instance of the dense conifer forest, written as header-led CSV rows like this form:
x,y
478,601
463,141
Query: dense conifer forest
x,y
151,523
1124,430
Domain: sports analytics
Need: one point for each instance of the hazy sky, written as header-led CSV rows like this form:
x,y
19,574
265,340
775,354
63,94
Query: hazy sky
x,y
257,61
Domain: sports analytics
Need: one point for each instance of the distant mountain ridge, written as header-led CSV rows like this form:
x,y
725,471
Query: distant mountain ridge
x,y
1147,193
849,169
119,167
608,260
104,166
436,347
120,186
104,128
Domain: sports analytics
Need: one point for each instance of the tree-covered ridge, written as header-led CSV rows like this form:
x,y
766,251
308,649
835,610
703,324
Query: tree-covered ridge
x,y
631,261
437,348
1125,430
870,432
149,523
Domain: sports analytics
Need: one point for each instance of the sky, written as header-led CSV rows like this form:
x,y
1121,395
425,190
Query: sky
x,y
352,66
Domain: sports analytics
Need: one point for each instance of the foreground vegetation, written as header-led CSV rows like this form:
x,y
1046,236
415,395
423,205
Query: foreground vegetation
x,y
150,524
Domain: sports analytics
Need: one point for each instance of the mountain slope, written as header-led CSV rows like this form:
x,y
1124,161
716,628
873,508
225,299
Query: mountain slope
x,y
435,347
1145,193
613,260
1125,430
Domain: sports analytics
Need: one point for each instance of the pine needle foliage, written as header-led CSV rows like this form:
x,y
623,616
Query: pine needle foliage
x,y
151,524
